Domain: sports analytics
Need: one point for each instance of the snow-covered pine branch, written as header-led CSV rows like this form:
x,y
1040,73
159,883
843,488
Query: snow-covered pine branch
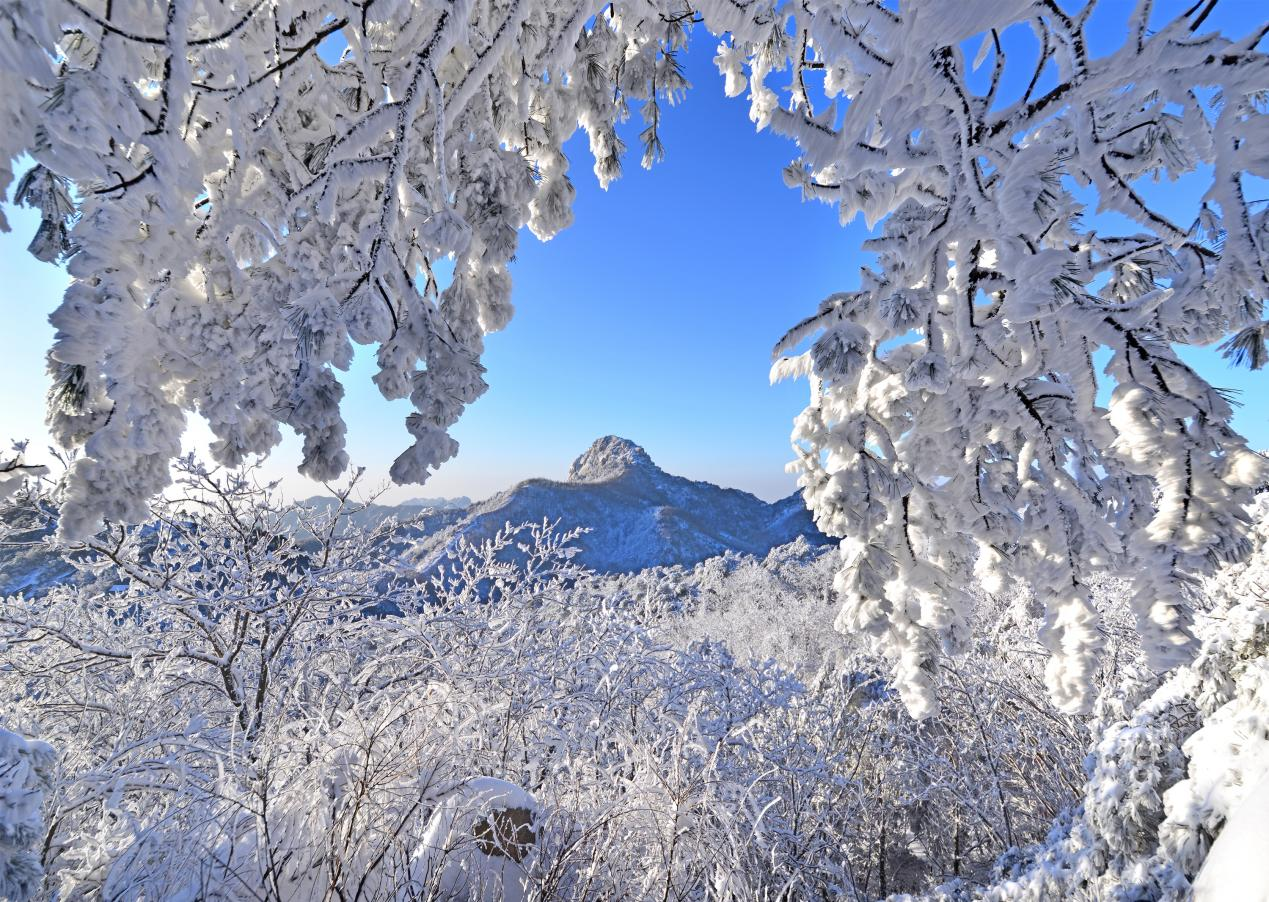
x,y
956,411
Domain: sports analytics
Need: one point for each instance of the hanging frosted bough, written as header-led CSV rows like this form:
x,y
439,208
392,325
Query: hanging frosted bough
x,y
245,190
956,415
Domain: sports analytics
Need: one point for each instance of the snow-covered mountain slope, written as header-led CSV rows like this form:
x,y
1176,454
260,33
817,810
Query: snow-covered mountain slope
x,y
26,564
639,515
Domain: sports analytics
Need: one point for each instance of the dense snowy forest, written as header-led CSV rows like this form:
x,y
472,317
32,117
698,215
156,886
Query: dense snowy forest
x,y
1034,664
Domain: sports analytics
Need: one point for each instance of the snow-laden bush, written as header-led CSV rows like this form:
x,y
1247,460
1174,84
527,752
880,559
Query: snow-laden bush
x,y
994,766
246,707
237,720
778,607
260,709
15,472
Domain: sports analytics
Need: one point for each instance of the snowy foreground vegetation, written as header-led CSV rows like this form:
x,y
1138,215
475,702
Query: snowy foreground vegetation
x,y
222,709
242,191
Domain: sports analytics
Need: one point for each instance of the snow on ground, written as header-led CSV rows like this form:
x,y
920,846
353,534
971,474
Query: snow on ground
x,y
1237,867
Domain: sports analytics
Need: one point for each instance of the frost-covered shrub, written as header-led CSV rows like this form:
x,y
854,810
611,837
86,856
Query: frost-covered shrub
x,y
779,607
15,472
241,711
246,695
991,770
237,716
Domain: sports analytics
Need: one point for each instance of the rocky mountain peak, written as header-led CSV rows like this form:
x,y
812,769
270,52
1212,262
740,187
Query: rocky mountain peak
x,y
608,458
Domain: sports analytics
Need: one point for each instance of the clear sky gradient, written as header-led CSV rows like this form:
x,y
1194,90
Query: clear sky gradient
x,y
652,317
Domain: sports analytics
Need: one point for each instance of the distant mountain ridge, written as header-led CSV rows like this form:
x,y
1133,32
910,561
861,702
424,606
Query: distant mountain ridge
x,y
427,514
440,504
639,515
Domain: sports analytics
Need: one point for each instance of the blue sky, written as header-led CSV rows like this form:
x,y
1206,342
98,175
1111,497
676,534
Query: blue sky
x,y
652,317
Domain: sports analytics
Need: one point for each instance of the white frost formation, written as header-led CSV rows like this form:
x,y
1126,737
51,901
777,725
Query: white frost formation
x,y
478,844
25,773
